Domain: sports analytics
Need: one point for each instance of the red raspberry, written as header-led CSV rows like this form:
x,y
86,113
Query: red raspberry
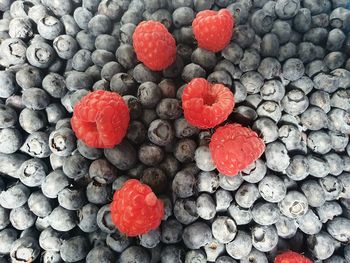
x,y
101,119
291,257
154,45
213,29
205,104
234,147
135,209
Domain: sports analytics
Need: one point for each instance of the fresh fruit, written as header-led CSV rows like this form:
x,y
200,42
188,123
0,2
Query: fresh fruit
x,y
101,119
206,105
154,45
213,29
234,147
291,257
136,209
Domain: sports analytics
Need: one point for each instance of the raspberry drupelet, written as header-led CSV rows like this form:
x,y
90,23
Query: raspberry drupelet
x,y
154,45
234,147
136,209
291,257
206,105
213,29
101,119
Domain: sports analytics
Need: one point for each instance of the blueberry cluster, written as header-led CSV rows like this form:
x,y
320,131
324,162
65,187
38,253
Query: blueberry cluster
x,y
288,67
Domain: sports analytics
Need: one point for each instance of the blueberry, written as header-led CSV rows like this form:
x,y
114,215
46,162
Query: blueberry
x,y
8,237
9,87
118,242
169,108
55,85
270,45
191,71
287,51
335,258
270,67
298,168
246,195
123,156
24,249
185,211
255,256
294,205
106,42
183,184
150,239
250,60
127,58
39,204
277,157
87,218
197,256
313,192
100,253
4,218
197,235
204,58
14,196
265,213
318,166
97,193
62,219
155,178
10,140
49,27
262,21
267,128
252,81
264,238
85,40
50,239
74,249
309,223
22,218
321,245
286,227
40,54
104,220
53,183
226,259
233,53
339,18
172,253
206,207
240,247
13,52
135,254
222,77
171,231
332,187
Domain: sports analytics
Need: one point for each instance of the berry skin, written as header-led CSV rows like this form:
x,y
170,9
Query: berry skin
x,y
101,119
213,29
234,147
206,105
291,257
154,45
135,209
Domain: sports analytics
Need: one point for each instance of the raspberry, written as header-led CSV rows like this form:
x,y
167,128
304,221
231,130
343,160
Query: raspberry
x,y
291,257
213,29
205,104
154,45
234,147
101,119
135,209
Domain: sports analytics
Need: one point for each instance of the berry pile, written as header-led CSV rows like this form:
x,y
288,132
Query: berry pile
x,y
166,131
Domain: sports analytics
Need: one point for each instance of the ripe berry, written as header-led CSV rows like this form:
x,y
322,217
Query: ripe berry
x,y
135,209
101,119
154,45
213,29
291,257
234,148
206,105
